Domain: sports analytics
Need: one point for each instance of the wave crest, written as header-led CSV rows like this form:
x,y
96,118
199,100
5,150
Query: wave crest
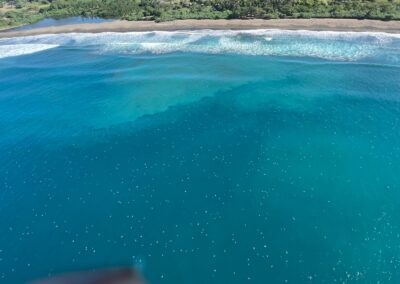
x,y
347,46
10,50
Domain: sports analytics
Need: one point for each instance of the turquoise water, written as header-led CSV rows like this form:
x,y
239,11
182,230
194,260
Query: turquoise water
x,y
202,157
51,22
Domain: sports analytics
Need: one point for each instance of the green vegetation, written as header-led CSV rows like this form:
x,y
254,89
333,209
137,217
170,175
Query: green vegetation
x,y
18,12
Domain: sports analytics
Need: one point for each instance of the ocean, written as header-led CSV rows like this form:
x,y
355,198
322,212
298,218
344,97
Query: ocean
x,y
264,156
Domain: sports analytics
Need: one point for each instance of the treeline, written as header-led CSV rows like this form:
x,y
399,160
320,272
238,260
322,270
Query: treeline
x,y
16,12
215,9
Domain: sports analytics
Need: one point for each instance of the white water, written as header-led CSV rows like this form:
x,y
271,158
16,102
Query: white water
x,y
10,50
343,46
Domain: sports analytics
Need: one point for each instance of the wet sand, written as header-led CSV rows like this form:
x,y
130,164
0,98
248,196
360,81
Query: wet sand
x,y
289,24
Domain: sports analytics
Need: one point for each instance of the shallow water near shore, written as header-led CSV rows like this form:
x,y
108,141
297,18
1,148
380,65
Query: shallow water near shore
x,y
202,157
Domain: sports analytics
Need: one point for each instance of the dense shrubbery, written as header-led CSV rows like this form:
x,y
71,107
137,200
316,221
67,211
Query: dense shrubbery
x,y
16,12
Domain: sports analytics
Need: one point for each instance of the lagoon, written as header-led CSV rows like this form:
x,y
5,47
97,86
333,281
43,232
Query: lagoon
x,y
51,22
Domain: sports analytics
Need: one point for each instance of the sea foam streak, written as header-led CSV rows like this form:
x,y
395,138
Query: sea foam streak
x,y
343,46
9,50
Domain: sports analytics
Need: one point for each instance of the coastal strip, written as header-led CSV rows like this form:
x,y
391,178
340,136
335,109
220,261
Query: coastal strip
x,y
288,24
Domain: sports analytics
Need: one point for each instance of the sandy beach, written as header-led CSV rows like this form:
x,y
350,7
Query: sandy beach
x,y
289,24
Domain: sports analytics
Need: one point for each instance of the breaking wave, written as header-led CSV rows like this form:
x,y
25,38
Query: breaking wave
x,y
9,50
343,46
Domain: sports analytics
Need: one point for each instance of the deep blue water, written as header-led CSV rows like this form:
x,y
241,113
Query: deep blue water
x,y
202,157
50,22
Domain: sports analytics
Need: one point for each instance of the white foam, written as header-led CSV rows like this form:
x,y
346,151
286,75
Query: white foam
x,y
348,46
10,50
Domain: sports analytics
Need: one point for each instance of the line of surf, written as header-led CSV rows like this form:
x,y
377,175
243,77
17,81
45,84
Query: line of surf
x,y
333,45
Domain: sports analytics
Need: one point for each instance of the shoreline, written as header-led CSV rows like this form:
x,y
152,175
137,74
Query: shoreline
x,y
345,25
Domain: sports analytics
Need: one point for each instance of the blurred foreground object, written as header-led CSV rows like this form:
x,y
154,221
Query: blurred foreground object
x,y
105,276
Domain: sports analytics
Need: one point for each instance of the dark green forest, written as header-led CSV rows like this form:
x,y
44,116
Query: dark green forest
x,y
18,12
